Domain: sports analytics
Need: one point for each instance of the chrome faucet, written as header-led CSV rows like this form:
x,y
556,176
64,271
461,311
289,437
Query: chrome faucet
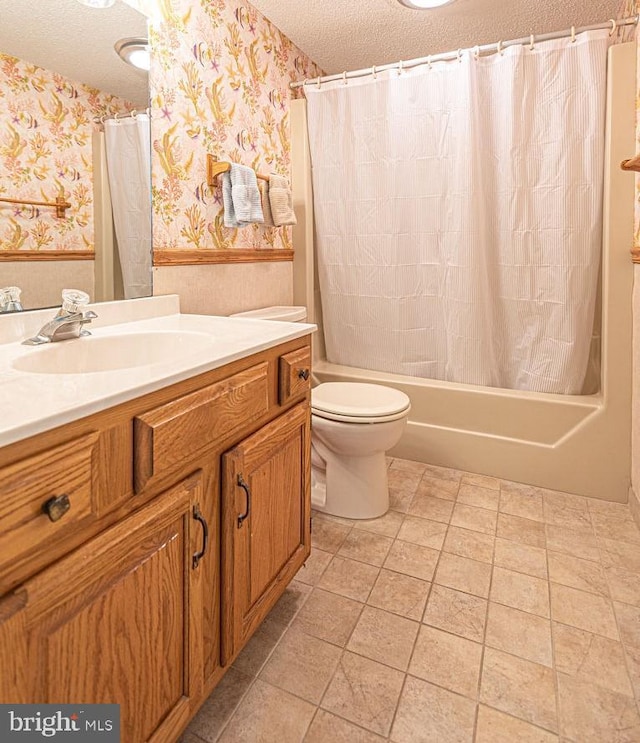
x,y
68,322
10,299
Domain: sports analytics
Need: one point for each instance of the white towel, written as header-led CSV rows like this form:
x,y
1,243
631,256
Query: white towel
x,y
240,197
281,201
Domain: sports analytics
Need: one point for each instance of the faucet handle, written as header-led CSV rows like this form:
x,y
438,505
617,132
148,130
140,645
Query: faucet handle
x,y
10,299
73,300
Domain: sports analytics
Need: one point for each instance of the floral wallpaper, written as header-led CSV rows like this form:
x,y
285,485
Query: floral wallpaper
x,y
219,83
46,122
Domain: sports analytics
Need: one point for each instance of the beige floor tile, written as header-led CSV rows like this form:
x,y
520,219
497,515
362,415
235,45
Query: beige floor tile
x,y
221,704
624,585
616,510
349,578
463,574
188,737
423,531
387,525
302,665
435,509
475,519
520,530
591,714
412,559
517,632
400,594
583,610
364,692
591,658
633,667
614,553
577,542
629,623
327,728
328,616
496,727
457,612
290,603
400,500
471,544
322,516
443,473
366,547
608,527
482,481
560,515
520,591
437,488
328,535
408,465
447,660
429,714
474,495
577,573
556,498
314,567
259,717
524,504
384,637
403,479
521,557
520,688
255,653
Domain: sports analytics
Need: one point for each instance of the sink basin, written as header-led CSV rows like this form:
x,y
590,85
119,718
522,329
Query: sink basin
x,y
111,353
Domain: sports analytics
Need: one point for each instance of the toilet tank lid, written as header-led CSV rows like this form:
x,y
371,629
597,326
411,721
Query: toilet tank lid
x,y
284,314
358,399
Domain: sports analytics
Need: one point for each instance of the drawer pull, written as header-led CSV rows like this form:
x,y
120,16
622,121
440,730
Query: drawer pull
x,y
245,487
55,508
303,374
197,515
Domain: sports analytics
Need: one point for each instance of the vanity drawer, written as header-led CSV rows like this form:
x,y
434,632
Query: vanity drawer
x,y
43,499
178,431
295,374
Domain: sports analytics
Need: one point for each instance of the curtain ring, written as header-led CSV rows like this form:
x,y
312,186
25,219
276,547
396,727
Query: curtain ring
x,y
400,63
499,45
344,77
429,61
531,44
133,114
318,82
115,117
459,55
573,34
374,73
614,25
476,53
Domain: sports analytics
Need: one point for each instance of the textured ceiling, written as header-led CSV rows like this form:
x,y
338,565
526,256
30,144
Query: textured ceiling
x,y
350,34
76,41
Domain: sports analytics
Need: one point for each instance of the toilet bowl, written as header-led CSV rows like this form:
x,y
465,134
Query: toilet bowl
x,y
353,425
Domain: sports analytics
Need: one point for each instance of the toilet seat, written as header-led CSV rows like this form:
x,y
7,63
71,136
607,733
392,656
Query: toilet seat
x,y
355,402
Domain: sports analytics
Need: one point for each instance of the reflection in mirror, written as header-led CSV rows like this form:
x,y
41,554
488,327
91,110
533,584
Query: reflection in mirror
x,y
74,129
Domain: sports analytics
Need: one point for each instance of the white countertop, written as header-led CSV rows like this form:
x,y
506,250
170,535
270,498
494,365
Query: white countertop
x,y
31,403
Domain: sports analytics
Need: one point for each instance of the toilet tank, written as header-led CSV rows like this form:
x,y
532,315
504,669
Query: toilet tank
x,y
284,314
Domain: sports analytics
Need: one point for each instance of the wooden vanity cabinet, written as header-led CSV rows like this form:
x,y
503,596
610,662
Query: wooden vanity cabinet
x,y
158,592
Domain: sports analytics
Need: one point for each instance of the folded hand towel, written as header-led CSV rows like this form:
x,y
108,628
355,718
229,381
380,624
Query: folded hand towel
x,y
240,197
266,206
281,201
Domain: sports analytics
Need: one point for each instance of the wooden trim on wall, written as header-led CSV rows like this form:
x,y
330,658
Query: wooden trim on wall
x,y
635,255
233,255
47,255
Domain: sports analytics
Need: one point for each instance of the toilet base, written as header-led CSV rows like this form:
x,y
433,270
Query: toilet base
x,y
351,487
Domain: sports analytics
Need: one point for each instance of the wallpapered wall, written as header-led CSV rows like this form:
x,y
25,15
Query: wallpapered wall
x,y
219,84
46,122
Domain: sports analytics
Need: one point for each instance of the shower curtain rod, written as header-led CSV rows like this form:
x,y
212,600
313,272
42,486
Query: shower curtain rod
x,y
117,117
612,24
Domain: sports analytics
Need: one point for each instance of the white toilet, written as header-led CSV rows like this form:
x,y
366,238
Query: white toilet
x,y
353,425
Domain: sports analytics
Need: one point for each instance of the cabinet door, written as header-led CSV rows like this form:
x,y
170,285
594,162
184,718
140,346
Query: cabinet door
x,y
266,522
118,620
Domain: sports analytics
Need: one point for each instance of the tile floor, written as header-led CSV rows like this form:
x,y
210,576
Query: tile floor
x,y
474,610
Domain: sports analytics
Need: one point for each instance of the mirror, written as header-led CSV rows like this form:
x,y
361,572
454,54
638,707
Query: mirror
x,y
61,85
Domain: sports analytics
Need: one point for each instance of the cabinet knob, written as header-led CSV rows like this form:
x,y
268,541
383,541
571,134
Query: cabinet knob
x,y
55,508
303,374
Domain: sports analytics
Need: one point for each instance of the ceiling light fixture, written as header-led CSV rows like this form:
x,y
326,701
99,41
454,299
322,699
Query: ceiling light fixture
x,y
97,3
134,51
424,4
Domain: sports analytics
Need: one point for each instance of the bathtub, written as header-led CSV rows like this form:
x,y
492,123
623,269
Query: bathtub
x,y
575,443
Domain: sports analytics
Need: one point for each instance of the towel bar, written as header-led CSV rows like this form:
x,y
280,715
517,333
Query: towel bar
x,y
216,167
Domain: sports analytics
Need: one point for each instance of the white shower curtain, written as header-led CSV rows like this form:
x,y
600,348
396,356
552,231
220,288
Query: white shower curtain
x,y
128,143
458,215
